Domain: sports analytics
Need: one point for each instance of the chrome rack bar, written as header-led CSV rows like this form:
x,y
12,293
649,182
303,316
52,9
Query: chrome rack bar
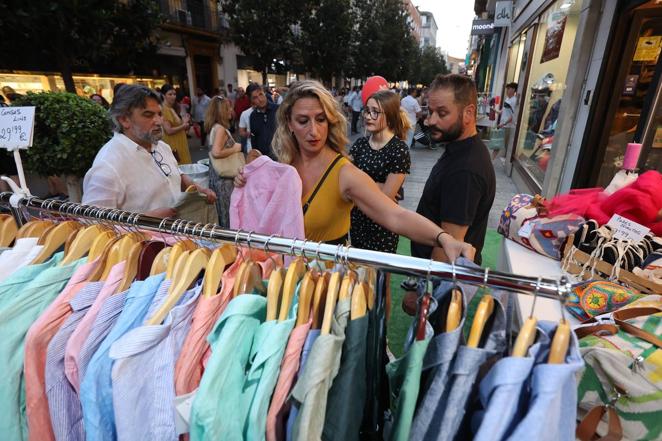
x,y
550,288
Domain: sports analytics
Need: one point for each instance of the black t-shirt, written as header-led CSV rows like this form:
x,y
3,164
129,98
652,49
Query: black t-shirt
x,y
460,190
263,127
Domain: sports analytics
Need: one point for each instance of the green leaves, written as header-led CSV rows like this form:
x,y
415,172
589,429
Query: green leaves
x,y
69,131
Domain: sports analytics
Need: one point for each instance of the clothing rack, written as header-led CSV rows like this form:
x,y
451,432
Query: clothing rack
x,y
393,263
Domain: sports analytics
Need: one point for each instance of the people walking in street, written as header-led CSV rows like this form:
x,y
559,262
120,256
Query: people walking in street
x,y
174,126
356,104
411,105
241,103
135,170
199,103
384,156
221,145
262,120
508,117
311,136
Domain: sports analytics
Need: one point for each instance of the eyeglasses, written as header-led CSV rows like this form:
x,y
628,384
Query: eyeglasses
x,y
158,158
374,114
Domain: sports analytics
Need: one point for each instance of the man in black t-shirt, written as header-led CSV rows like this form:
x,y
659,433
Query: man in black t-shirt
x,y
459,192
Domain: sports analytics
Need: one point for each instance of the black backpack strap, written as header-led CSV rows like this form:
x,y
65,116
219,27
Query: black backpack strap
x,y
321,181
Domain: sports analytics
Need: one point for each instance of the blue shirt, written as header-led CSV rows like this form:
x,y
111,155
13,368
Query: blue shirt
x,y
552,409
96,388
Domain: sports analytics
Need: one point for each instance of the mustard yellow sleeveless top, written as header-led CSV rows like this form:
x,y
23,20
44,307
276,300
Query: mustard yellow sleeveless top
x,y
328,216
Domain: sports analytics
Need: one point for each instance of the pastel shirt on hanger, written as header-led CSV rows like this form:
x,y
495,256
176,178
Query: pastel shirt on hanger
x,y
189,367
230,342
20,255
104,322
14,284
96,387
266,355
404,383
312,336
61,399
437,362
289,367
464,370
552,410
143,374
312,388
347,395
504,394
75,343
37,340
270,202
17,315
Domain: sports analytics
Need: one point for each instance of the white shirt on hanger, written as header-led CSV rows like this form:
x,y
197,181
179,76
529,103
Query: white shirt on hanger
x,y
126,176
24,251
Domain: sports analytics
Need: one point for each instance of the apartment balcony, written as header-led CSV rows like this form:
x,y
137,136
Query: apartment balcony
x,y
200,16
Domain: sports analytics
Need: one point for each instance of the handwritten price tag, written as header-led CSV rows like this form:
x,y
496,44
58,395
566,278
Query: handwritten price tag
x,y
625,229
16,127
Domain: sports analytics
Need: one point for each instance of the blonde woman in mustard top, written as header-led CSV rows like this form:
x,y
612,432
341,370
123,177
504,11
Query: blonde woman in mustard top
x,y
311,135
174,128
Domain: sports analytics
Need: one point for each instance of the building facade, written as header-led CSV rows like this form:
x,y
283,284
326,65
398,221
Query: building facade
x,y
588,84
428,29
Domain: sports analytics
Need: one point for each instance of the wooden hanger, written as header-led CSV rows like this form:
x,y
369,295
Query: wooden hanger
x,y
33,228
130,267
527,333
560,343
160,263
295,272
371,279
220,259
177,249
306,297
82,243
274,289
331,300
347,286
319,299
8,231
483,313
249,277
100,250
119,253
359,300
423,313
196,261
54,239
454,314
69,241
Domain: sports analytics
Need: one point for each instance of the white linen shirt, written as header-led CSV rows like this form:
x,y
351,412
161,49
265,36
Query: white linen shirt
x,y
245,123
125,176
412,107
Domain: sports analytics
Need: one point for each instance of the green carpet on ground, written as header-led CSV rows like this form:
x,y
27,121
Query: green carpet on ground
x,y
399,322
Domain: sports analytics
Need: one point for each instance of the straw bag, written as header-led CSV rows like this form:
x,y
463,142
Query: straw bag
x,y
229,166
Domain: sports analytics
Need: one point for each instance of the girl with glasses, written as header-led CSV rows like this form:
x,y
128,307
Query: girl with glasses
x,y
384,156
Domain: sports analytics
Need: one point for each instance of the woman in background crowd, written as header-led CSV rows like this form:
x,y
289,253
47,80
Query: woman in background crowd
x,y
174,127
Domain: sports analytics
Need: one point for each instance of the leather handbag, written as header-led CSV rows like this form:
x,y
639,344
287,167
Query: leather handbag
x,y
229,166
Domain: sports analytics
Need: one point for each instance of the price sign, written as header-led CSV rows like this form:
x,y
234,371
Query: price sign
x,y
16,127
625,229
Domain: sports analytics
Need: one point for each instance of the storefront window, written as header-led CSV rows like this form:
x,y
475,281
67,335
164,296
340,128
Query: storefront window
x,y
542,95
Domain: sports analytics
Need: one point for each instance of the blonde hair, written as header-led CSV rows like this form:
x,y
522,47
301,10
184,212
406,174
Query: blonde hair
x,y
284,143
395,116
219,111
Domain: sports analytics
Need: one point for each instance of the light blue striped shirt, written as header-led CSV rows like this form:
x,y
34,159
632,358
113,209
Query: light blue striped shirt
x,y
96,388
63,402
144,375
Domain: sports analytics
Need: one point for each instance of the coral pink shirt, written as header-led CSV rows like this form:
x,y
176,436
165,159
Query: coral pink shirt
x,y
36,343
82,331
289,367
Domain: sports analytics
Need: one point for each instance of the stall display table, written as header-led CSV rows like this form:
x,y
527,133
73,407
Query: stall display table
x,y
517,259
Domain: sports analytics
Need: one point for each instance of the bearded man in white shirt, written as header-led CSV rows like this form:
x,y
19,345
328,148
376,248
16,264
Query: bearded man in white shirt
x,y
135,170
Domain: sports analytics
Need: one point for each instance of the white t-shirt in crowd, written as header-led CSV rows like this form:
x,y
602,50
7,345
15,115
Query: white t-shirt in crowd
x,y
245,123
508,111
126,176
412,107
356,102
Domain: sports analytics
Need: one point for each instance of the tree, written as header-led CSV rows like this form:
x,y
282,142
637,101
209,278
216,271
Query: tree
x,y
326,33
73,34
429,63
265,30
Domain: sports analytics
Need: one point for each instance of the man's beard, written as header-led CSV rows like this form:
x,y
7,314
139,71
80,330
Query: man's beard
x,y
450,135
151,137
